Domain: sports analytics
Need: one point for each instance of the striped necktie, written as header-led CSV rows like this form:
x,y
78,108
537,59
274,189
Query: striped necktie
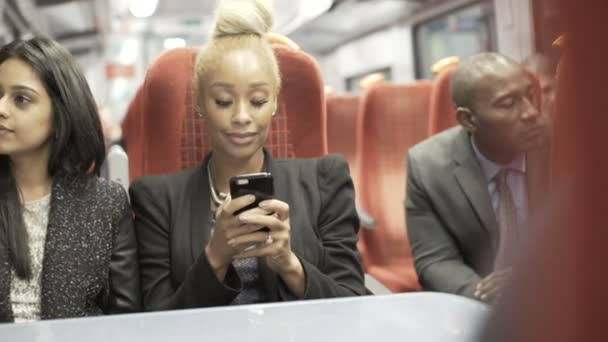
x,y
507,222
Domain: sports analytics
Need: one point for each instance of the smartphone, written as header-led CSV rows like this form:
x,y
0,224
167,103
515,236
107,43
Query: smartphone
x,y
258,184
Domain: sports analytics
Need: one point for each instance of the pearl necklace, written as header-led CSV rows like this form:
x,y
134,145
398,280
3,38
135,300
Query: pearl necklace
x,y
217,197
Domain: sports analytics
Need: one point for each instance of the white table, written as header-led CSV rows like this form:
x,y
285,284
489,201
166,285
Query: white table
x,y
403,317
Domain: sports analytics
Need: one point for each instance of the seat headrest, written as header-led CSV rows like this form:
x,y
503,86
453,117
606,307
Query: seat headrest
x,y
175,137
442,113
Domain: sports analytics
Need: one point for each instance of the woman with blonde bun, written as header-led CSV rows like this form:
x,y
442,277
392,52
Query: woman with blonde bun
x,y
194,250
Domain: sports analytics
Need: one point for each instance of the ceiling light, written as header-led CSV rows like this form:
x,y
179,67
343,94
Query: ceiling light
x,y
142,8
172,43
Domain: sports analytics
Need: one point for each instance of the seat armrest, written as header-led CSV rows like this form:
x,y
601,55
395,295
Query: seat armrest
x,y
116,167
367,221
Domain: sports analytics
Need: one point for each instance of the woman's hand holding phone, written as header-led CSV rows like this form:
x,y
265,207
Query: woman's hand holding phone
x,y
274,245
220,253
250,227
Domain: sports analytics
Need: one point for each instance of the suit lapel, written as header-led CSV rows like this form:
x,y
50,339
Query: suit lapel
x,y
472,182
61,250
270,279
199,192
60,198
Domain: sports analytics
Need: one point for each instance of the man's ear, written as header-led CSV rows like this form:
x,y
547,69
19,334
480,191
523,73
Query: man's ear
x,y
467,119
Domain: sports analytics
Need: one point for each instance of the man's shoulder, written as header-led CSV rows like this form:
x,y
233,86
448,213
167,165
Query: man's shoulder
x,y
437,149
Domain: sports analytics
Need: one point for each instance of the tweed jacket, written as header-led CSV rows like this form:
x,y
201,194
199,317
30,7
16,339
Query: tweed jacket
x,y
90,257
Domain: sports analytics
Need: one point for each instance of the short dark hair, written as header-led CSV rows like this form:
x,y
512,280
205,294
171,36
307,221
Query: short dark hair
x,y
77,145
469,72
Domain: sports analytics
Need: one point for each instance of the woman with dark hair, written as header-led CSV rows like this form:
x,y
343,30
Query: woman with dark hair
x,y
67,245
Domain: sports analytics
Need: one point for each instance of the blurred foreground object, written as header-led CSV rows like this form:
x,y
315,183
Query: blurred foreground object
x,y
561,292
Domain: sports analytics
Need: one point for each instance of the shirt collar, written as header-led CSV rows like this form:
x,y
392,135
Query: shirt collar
x,y
490,169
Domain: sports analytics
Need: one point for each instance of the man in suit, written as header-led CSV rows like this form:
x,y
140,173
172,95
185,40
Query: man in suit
x,y
470,188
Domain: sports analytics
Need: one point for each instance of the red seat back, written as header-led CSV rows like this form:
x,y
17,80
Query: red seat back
x,y
175,137
395,118
442,114
132,131
342,135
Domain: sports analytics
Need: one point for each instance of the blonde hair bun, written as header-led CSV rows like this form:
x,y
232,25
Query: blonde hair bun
x,y
239,17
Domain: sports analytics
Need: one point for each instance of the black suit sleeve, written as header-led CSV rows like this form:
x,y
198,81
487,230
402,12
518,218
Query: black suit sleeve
x,y
200,287
438,261
339,273
124,287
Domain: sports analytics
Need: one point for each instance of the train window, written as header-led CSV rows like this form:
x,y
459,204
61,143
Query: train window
x,y
353,84
462,32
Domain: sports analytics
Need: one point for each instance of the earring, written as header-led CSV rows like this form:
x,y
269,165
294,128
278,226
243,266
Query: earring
x,y
273,113
199,114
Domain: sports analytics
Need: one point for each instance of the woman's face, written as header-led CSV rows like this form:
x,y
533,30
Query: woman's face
x,y
239,100
25,110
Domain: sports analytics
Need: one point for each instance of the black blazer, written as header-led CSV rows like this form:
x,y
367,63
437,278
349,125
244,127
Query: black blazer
x,y
452,228
90,257
172,224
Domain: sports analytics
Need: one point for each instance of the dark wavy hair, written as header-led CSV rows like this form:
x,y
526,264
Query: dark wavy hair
x,y
77,146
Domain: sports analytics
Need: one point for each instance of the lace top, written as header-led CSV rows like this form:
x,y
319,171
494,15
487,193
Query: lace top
x,y
25,294
249,273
